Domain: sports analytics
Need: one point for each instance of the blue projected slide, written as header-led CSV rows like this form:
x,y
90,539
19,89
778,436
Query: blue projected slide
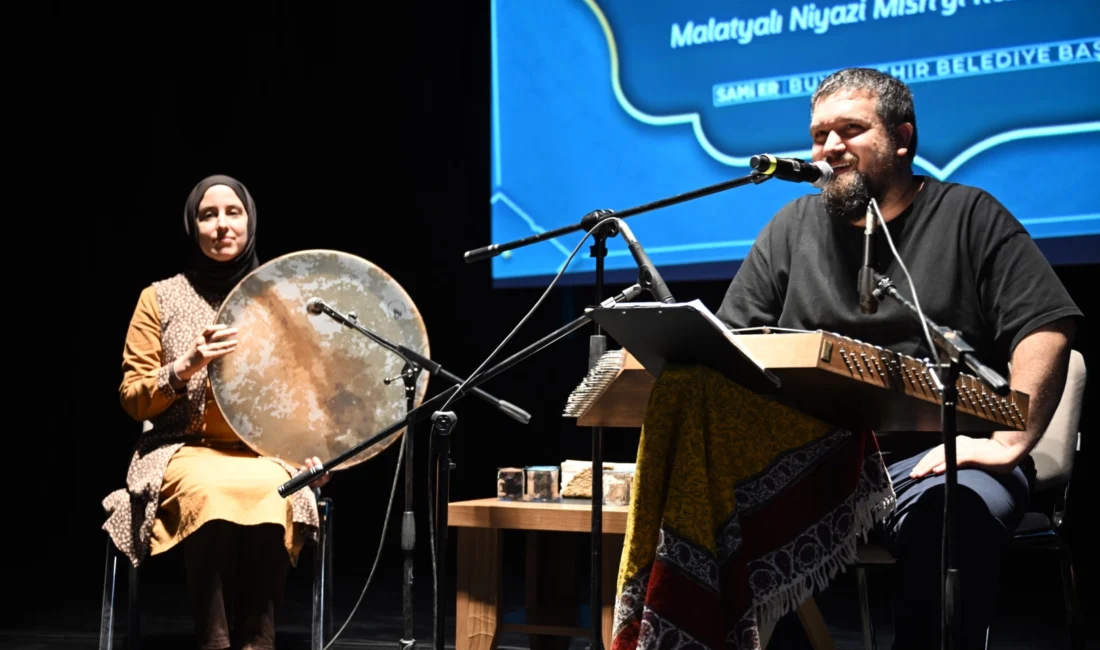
x,y
610,104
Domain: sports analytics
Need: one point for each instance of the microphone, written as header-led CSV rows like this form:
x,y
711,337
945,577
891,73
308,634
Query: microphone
x,y
433,367
299,480
868,304
318,306
792,169
626,295
650,279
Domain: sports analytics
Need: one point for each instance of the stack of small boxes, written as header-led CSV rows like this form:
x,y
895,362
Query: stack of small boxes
x,y
544,483
535,483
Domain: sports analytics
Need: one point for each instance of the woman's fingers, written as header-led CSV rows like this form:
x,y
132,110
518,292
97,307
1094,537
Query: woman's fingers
x,y
214,350
221,334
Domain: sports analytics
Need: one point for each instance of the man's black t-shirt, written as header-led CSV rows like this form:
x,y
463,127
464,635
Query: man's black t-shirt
x,y
975,268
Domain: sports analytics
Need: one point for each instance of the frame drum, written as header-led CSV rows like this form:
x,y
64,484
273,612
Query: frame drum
x,y
301,385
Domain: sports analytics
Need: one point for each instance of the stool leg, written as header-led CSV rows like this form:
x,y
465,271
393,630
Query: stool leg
x,y
107,611
133,639
865,610
1069,592
813,624
330,583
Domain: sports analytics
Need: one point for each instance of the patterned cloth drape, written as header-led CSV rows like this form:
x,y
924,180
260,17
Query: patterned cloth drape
x,y
742,508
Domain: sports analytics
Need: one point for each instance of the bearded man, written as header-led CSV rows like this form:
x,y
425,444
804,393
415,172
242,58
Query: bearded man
x,y
976,270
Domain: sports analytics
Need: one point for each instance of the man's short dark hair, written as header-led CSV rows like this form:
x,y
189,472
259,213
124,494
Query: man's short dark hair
x,y
894,102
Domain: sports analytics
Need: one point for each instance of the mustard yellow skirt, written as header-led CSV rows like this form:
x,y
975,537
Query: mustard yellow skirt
x,y
205,484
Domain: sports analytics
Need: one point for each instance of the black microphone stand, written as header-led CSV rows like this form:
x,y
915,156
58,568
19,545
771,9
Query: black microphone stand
x,y
410,373
592,218
957,352
443,422
597,346
440,445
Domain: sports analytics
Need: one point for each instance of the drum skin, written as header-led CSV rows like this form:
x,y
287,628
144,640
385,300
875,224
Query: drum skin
x,y
301,385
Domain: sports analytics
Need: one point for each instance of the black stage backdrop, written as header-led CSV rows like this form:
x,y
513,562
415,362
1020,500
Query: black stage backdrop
x,y
363,128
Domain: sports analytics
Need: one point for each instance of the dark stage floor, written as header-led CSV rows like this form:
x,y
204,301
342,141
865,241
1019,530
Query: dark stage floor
x,y
1030,615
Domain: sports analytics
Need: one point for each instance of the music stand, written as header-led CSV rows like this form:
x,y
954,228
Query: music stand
x,y
658,334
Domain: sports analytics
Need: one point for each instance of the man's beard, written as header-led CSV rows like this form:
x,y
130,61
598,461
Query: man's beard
x,y
846,202
846,199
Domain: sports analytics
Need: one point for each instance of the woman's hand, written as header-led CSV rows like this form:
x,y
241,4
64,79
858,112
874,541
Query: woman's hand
x,y
323,479
215,341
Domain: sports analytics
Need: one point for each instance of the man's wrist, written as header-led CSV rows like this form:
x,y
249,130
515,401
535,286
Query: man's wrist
x,y
1016,444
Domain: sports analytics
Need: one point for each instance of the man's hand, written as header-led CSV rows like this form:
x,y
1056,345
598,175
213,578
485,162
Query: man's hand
x,y
984,453
1039,366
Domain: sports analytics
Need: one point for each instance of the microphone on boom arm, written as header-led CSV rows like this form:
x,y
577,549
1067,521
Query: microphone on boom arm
x,y
817,173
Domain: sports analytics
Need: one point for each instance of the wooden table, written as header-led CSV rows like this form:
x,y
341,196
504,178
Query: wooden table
x,y
480,524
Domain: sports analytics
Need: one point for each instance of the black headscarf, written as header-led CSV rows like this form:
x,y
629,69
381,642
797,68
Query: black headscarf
x,y
209,274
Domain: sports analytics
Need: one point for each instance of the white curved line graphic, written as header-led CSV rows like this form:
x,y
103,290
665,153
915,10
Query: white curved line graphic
x,y
743,161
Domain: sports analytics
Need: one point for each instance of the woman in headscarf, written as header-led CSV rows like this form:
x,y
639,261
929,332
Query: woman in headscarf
x,y
191,481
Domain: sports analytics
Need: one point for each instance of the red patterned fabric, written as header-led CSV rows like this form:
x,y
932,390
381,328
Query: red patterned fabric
x,y
743,508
